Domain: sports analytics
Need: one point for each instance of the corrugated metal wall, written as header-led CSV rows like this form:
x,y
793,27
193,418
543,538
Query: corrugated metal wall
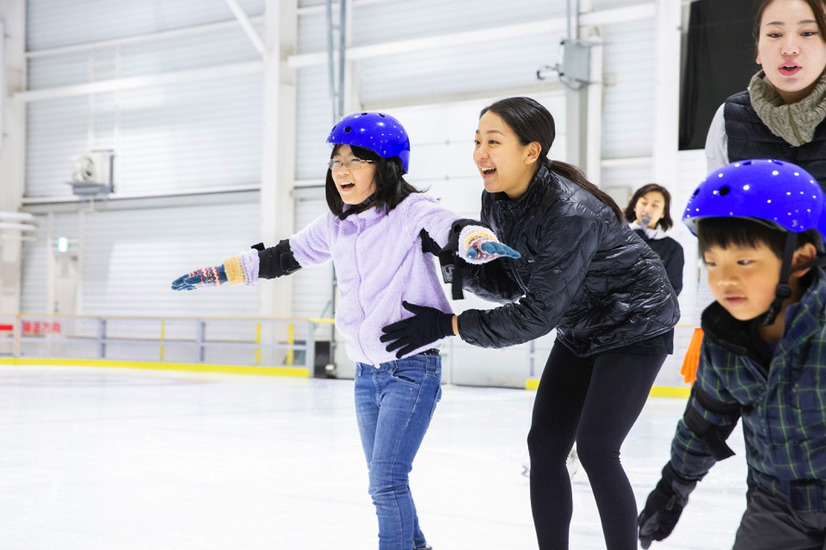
x,y
54,23
188,136
177,137
627,127
129,258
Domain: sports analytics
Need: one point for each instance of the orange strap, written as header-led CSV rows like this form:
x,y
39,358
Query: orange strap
x,y
692,357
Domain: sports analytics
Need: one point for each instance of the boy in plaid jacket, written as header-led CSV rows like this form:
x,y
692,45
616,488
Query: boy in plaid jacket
x,y
760,226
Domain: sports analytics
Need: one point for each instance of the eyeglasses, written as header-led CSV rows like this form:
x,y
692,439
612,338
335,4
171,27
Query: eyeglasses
x,y
354,164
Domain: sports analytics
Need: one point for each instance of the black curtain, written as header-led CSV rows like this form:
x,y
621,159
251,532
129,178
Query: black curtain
x,y
720,61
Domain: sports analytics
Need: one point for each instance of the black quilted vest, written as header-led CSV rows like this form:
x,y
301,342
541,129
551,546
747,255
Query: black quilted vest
x,y
749,138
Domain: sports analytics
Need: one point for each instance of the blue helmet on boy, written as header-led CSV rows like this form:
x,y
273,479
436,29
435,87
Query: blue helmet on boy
x,y
778,194
773,191
379,132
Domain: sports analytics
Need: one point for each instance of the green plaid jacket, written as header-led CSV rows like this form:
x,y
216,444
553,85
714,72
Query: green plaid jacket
x,y
781,397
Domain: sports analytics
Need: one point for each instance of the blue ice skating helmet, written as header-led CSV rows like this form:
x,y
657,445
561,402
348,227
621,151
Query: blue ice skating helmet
x,y
773,191
379,132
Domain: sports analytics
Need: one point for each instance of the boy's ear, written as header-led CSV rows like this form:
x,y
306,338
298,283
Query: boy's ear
x,y
802,255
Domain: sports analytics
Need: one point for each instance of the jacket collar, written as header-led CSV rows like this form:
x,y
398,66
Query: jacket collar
x,y
365,216
654,234
540,181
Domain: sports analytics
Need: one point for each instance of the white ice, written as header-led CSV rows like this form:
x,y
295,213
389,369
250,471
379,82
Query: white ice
x,y
98,459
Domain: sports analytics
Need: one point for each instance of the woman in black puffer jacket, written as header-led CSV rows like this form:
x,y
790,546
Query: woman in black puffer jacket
x,y
584,272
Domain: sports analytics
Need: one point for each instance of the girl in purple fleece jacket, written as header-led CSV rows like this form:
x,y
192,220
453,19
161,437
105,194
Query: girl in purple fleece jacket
x,y
373,236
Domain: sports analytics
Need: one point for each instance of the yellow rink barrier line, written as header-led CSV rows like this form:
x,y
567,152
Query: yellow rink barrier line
x,y
656,391
294,372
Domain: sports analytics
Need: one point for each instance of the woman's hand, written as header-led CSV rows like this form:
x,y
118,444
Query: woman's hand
x,y
426,326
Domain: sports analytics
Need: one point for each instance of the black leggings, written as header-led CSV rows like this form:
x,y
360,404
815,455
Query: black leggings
x,y
595,401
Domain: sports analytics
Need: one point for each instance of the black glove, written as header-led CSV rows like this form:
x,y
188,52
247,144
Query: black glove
x,y
664,506
428,325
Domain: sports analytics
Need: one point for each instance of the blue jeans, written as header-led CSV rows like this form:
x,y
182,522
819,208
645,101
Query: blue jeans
x,y
394,405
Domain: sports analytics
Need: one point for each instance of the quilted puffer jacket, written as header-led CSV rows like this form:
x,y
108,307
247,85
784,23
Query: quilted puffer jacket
x,y
582,271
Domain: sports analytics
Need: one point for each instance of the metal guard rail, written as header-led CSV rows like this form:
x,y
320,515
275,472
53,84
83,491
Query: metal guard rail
x,y
25,328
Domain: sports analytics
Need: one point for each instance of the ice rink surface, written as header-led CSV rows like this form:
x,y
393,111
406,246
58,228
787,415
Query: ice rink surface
x,y
105,459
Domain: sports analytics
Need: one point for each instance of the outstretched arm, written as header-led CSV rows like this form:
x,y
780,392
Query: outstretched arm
x,y
246,268
307,247
241,269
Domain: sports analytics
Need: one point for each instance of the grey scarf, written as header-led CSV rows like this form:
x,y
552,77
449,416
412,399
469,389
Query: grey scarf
x,y
795,122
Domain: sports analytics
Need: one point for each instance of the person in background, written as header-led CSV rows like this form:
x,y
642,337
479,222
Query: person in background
x,y
372,235
760,226
781,114
649,214
585,273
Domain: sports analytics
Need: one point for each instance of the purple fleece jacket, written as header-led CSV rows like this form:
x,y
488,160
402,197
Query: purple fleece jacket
x,y
379,263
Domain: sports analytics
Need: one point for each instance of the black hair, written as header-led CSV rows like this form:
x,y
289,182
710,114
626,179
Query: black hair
x,y
532,122
745,232
391,187
818,9
665,222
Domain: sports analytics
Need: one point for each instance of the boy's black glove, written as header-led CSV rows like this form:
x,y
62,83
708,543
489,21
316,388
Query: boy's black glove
x,y
664,506
428,325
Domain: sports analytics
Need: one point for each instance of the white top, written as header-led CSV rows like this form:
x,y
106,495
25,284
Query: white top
x,y
717,142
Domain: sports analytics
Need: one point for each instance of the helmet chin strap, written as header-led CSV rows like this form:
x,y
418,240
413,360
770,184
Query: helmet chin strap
x,y
358,207
784,289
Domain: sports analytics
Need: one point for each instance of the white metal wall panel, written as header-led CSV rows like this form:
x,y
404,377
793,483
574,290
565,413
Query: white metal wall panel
x,y
36,258
610,4
179,53
182,137
33,275
54,23
377,22
312,30
631,176
461,69
130,258
57,130
190,137
629,60
401,19
58,70
221,46
314,120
